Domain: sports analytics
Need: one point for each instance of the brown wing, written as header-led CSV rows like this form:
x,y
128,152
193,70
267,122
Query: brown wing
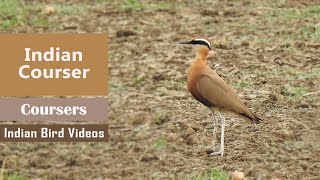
x,y
214,89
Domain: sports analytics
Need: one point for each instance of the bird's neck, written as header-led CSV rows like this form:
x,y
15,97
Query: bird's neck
x,y
202,54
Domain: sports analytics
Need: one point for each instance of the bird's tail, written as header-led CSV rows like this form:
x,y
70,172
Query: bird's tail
x,y
253,118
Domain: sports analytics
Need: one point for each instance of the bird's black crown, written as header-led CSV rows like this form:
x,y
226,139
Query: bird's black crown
x,y
201,41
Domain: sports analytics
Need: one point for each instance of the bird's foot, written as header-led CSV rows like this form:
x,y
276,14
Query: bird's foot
x,y
217,153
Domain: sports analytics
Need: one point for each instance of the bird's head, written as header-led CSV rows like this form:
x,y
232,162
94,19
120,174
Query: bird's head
x,y
199,43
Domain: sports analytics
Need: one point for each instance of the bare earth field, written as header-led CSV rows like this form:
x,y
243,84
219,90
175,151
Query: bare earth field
x,y
268,50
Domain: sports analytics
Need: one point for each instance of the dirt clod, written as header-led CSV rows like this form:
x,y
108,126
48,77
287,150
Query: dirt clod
x,y
171,137
302,105
148,157
192,139
126,33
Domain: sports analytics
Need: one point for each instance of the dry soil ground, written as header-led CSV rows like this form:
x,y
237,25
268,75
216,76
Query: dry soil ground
x,y
269,50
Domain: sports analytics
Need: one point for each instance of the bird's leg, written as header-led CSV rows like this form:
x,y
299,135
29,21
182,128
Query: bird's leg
x,y
214,129
223,123
221,152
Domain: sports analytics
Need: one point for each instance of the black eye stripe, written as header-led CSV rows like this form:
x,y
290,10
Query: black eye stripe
x,y
199,42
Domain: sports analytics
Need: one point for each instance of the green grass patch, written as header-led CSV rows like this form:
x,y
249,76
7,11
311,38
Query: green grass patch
x,y
74,9
16,13
115,88
136,5
14,176
138,80
292,74
311,11
289,47
295,145
251,27
243,84
111,56
311,32
296,93
305,75
9,23
296,78
157,119
12,14
39,21
160,6
105,1
212,174
10,7
181,85
160,143
61,8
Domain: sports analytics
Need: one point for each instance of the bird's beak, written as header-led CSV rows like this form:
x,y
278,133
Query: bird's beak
x,y
184,42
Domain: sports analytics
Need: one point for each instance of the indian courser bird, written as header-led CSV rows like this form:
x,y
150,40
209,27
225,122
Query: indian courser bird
x,y
211,90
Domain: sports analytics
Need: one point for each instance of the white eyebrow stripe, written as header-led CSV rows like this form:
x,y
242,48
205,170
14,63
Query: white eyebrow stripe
x,y
201,39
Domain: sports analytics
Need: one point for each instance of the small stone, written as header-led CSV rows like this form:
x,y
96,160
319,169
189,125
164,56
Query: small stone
x,y
189,131
172,137
236,175
304,166
278,60
49,10
179,75
85,159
